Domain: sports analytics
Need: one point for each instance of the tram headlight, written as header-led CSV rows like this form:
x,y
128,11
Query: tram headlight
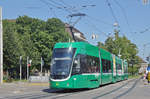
x,y
74,79
57,84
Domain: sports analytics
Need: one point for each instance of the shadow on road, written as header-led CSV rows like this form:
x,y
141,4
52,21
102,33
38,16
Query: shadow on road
x,y
64,90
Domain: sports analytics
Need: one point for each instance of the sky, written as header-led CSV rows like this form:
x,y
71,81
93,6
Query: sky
x,y
132,16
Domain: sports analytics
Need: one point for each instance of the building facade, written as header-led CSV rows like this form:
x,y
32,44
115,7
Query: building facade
x,y
75,33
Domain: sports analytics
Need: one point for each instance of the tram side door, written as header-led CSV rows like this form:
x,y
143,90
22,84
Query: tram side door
x,y
114,69
100,64
122,70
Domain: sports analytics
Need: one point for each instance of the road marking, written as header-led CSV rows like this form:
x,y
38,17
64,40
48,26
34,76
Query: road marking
x,y
125,87
15,92
114,90
57,96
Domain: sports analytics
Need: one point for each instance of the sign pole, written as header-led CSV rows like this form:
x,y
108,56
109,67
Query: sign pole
x,y
1,48
41,65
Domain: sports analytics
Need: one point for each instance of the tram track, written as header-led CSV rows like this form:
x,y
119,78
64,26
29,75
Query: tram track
x,y
115,90
78,92
27,95
68,93
106,93
51,95
129,90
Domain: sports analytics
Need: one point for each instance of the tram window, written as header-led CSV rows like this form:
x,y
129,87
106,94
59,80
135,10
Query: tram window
x,y
83,62
96,64
89,64
76,65
126,69
93,64
106,66
118,66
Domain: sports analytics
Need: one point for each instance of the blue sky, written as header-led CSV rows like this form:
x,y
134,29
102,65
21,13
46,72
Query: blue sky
x,y
133,17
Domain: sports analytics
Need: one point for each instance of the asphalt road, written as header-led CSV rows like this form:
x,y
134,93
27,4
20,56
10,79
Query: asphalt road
x,y
129,89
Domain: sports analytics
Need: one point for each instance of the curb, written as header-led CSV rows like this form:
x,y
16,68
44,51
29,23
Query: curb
x,y
38,84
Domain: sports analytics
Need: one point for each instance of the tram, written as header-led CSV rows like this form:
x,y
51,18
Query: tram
x,y
82,65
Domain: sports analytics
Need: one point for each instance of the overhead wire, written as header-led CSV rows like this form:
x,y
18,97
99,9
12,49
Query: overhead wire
x,y
72,8
112,12
52,4
114,17
94,26
30,7
125,16
57,3
101,21
124,13
50,8
64,3
83,7
60,6
143,31
97,35
49,4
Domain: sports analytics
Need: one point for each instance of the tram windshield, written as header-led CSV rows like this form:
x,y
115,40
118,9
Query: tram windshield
x,y
61,62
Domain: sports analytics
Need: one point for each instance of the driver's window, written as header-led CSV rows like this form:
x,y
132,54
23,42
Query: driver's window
x,y
76,65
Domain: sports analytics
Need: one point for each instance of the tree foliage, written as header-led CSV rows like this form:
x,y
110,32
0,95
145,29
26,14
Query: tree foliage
x,y
30,37
121,46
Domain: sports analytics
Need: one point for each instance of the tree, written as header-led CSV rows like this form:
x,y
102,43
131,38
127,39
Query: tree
x,y
101,45
121,45
31,37
12,47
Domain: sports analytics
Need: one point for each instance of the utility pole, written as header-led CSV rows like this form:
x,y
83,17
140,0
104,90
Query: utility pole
x,y
1,48
27,68
119,52
132,68
144,50
42,64
144,47
20,61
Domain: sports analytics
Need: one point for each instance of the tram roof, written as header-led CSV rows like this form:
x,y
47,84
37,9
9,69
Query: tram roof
x,y
104,53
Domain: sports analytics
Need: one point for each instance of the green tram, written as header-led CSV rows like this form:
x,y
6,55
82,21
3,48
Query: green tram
x,y
82,65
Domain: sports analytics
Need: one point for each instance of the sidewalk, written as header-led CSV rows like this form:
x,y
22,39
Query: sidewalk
x,y
25,83
22,87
